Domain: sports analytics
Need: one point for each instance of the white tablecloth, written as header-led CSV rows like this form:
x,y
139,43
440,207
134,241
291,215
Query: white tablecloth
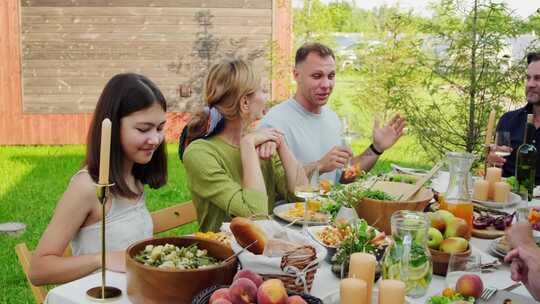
x,y
325,281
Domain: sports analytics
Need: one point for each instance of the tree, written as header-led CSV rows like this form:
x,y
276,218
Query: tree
x,y
468,75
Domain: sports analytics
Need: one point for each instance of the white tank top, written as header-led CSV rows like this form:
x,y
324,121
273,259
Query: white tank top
x,y
125,223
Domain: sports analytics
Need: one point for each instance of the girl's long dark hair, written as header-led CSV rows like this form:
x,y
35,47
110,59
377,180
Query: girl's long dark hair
x,y
125,94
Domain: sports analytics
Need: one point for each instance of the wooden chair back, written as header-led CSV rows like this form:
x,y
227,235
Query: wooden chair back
x,y
174,216
164,219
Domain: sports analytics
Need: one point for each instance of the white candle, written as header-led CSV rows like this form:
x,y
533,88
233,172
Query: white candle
x,y
352,291
493,175
491,123
105,152
481,190
501,191
362,266
391,292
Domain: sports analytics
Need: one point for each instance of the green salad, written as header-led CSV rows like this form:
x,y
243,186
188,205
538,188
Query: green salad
x,y
171,256
449,300
350,195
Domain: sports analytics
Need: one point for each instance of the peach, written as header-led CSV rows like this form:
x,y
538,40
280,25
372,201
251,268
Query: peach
x,y
243,291
222,301
272,292
250,275
470,285
296,300
222,293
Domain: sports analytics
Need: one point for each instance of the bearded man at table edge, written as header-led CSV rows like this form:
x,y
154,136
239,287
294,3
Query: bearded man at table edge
x,y
514,121
312,130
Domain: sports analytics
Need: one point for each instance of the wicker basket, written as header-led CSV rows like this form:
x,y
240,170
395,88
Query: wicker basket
x,y
204,296
300,266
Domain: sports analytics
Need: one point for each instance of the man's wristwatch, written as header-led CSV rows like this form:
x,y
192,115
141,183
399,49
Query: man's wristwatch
x,y
372,147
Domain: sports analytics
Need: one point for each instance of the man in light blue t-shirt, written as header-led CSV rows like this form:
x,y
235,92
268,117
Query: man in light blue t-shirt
x,y
311,129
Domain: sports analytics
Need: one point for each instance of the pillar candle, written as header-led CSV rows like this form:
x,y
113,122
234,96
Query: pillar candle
x,y
481,190
352,291
501,190
362,266
105,151
491,123
493,175
391,292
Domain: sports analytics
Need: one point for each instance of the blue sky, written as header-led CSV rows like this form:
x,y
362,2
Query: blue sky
x,y
522,8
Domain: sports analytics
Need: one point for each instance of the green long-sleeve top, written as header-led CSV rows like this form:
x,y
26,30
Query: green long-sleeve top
x,y
214,176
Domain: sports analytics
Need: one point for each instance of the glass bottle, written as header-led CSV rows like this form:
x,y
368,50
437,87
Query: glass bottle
x,y
457,196
407,258
526,156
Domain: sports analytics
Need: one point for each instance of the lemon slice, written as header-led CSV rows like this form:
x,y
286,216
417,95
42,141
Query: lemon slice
x,y
419,272
394,271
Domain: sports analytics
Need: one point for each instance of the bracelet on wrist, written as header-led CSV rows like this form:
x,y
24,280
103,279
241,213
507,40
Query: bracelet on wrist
x,y
372,147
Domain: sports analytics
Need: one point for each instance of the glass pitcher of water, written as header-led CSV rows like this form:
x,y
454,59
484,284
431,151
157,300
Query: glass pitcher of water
x,y
407,258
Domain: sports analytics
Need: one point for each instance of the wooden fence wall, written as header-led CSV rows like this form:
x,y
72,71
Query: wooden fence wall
x,y
56,55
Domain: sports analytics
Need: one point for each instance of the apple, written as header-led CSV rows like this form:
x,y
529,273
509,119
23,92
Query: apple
x,y
437,221
470,285
435,238
454,245
457,227
446,215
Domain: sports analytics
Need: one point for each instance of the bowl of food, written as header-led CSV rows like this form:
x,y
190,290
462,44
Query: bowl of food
x,y
383,199
176,269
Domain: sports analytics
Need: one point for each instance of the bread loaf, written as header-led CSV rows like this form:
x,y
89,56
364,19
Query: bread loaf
x,y
246,232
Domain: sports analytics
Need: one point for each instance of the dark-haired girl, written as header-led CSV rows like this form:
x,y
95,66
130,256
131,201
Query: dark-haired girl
x,y
136,108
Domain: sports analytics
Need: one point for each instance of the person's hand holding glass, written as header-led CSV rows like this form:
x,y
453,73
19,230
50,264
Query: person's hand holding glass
x,y
501,149
307,188
347,135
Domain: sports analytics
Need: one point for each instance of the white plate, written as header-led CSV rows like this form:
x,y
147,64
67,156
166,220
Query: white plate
x,y
314,231
281,209
514,200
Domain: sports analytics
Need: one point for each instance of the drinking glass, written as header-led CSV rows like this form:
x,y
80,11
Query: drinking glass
x,y
459,265
522,209
502,138
348,135
307,188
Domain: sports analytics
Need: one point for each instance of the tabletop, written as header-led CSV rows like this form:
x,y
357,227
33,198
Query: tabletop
x,y
325,282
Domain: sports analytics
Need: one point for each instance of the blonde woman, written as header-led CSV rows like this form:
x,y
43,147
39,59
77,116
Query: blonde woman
x,y
221,151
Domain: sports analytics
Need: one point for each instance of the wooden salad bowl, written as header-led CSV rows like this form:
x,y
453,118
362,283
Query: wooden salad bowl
x,y
378,212
148,284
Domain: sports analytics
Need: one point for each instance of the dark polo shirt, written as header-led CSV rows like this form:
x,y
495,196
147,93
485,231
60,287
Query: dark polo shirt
x,y
514,122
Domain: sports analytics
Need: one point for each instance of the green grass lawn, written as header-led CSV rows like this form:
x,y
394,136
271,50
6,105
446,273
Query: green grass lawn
x,y
34,178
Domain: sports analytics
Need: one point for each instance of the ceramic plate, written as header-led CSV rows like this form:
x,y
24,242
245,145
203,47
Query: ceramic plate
x,y
514,200
497,252
494,251
314,233
281,212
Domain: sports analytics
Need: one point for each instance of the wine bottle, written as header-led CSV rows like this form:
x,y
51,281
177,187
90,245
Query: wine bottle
x,y
526,156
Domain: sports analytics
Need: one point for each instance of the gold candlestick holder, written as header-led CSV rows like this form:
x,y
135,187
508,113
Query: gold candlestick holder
x,y
103,293
486,153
